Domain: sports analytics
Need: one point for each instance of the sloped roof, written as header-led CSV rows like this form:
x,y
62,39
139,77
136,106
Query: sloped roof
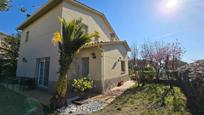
x,y
43,10
52,3
104,43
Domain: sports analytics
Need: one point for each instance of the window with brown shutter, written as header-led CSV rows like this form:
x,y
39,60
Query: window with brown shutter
x,y
123,66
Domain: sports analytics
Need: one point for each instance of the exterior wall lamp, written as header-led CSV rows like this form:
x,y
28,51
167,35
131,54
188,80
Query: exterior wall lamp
x,y
119,59
24,60
93,55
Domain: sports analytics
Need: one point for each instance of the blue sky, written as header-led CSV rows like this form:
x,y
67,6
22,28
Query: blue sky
x,y
137,21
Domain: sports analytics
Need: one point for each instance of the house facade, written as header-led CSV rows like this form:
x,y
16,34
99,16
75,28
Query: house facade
x,y
104,60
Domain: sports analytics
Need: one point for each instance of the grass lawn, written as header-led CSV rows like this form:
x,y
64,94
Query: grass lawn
x,y
152,99
12,103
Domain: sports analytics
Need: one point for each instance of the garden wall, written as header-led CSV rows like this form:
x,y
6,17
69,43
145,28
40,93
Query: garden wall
x,y
191,80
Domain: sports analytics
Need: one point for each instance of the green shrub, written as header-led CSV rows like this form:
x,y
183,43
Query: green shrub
x,y
148,73
82,84
173,98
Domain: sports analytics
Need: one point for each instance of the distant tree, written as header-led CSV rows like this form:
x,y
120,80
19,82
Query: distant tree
x,y
146,52
154,53
134,59
9,52
4,5
172,59
163,56
176,52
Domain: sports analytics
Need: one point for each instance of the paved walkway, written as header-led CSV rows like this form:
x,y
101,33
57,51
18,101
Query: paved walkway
x,y
110,96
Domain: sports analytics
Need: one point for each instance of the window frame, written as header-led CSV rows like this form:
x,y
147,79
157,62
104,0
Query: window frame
x,y
123,66
27,36
45,72
85,71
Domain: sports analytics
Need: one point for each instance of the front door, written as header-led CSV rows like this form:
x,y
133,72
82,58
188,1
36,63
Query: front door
x,y
85,66
43,72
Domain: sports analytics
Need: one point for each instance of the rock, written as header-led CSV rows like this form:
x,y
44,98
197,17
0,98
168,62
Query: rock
x,y
89,107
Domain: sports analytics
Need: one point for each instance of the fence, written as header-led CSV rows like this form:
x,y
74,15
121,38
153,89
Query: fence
x,y
192,83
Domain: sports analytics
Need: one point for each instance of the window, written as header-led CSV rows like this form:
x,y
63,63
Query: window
x,y
123,66
27,36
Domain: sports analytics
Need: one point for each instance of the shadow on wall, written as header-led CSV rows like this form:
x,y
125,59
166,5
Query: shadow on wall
x,y
115,64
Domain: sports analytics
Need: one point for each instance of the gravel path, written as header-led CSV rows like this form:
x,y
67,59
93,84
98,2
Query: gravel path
x,y
95,103
89,107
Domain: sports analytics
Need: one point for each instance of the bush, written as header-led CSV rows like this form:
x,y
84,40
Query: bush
x,y
165,96
148,73
82,84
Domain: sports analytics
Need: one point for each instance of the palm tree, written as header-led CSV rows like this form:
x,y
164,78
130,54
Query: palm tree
x,y
72,38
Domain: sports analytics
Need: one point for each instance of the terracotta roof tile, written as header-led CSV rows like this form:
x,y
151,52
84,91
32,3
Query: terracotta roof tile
x,y
103,43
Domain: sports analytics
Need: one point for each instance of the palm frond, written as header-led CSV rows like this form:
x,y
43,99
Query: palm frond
x,y
72,39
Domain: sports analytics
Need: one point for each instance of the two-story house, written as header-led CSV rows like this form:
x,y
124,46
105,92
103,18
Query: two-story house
x,y
105,60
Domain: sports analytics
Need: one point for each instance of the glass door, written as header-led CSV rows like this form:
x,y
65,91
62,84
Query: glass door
x,y
43,72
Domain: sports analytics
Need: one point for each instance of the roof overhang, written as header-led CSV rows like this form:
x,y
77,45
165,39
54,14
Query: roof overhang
x,y
96,44
126,45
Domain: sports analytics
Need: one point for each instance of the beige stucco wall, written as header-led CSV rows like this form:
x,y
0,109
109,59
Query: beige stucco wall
x,y
112,64
94,22
95,65
39,44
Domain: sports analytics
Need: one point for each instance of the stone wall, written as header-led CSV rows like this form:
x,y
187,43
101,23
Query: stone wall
x,y
191,79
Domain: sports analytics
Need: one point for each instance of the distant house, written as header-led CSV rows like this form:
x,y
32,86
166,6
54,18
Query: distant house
x,y
105,60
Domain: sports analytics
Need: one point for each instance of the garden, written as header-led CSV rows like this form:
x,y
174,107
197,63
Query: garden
x,y
159,85
148,100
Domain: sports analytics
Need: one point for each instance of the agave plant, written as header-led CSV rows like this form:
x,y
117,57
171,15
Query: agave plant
x,y
69,42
